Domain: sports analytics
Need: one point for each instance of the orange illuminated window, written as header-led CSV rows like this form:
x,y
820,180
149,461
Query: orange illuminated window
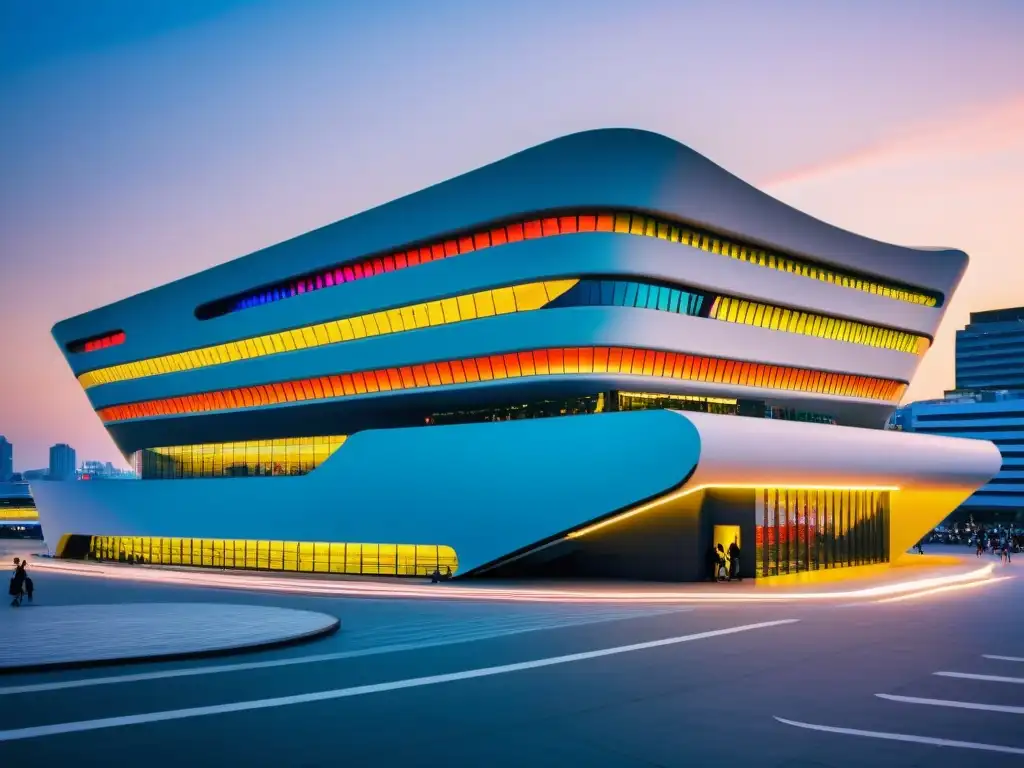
x,y
572,360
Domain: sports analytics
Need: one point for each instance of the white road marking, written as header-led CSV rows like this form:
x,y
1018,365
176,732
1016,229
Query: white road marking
x,y
905,737
361,690
1002,658
954,704
942,590
987,678
393,647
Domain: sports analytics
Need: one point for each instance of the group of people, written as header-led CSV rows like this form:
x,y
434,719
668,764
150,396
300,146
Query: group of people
x,y
438,575
21,584
1002,547
1004,540
724,565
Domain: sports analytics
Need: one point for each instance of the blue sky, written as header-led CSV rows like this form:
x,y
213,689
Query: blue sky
x,y
144,141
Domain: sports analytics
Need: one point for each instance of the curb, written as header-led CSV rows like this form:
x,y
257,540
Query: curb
x,y
180,656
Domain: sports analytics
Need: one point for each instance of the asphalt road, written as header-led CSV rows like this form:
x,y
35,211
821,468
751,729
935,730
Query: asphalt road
x,y
483,684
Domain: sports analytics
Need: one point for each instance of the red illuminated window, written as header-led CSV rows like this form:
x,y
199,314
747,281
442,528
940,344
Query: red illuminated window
x,y
102,341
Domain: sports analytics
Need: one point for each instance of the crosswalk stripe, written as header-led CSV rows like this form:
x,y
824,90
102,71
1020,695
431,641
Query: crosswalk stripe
x,y
954,704
906,737
986,678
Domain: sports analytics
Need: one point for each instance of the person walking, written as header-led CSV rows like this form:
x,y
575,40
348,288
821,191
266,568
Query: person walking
x,y
17,587
734,560
711,562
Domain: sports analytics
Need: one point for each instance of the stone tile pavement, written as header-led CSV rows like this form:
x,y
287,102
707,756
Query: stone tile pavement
x,y
41,637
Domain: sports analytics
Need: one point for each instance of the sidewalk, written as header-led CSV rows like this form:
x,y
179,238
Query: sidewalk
x,y
912,573
34,638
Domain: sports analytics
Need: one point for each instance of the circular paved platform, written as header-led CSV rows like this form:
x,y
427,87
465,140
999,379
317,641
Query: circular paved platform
x,y
44,637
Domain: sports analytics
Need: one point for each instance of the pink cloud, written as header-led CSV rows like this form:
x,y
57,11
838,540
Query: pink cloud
x,y
986,128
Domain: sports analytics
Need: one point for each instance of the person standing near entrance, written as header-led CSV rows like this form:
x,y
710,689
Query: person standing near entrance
x,y
734,560
711,562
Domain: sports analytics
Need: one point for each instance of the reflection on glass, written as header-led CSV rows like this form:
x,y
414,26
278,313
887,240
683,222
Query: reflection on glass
x,y
255,458
294,556
802,530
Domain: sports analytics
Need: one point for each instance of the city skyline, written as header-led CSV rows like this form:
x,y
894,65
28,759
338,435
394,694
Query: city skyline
x,y
164,145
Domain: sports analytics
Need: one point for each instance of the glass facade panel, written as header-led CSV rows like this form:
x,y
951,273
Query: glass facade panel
x,y
291,556
760,528
255,458
801,530
792,550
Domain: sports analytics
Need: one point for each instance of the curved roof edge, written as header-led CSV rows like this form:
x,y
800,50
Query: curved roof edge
x,y
609,167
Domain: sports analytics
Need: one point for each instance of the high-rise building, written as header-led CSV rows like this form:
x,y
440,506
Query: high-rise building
x,y
990,351
600,356
987,404
6,460
62,462
994,416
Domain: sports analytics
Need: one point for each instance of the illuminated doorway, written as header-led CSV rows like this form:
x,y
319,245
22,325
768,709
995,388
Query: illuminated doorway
x,y
726,535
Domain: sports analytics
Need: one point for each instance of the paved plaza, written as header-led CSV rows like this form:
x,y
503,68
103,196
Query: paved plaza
x,y
933,680
37,637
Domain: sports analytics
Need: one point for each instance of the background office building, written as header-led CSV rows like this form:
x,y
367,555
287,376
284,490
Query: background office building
x,y
994,416
988,404
601,356
6,460
990,351
62,462
18,516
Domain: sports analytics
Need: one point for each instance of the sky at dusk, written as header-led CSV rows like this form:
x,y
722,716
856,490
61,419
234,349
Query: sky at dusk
x,y
142,141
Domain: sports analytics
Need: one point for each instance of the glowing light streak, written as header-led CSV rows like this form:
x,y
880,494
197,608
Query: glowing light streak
x,y
464,591
654,504
944,589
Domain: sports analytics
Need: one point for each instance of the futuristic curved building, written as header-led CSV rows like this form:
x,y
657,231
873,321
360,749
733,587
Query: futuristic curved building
x,y
595,357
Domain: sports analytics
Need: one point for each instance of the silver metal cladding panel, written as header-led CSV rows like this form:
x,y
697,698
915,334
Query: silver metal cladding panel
x,y
616,168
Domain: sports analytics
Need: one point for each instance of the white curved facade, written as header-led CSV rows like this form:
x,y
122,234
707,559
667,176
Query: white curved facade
x,y
602,263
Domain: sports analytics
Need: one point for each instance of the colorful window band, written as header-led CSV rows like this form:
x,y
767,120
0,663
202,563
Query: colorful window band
x,y
622,222
298,556
808,324
499,301
541,362
527,297
109,339
21,514
254,458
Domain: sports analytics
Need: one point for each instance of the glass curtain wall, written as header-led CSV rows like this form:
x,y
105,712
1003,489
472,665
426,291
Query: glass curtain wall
x,y
254,458
800,530
300,556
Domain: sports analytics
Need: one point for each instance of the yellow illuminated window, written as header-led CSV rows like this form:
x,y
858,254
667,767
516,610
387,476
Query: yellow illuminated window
x,y
467,307
499,302
435,315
